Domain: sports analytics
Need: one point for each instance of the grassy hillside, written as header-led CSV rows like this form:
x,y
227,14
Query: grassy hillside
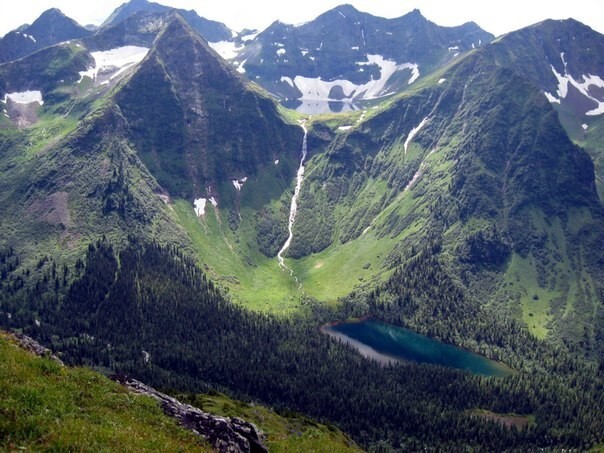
x,y
45,406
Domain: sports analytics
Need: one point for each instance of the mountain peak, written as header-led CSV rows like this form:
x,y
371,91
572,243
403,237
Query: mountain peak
x,y
211,30
346,8
176,25
52,12
125,10
50,28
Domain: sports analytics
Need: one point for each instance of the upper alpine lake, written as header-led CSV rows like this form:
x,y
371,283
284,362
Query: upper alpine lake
x,y
389,343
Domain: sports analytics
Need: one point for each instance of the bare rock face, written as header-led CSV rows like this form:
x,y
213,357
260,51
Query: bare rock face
x,y
227,435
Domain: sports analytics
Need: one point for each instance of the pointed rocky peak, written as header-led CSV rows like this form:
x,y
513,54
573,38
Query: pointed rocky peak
x,y
50,28
203,126
415,14
53,26
178,43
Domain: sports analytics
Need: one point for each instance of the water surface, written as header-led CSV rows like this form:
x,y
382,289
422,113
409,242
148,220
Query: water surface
x,y
389,343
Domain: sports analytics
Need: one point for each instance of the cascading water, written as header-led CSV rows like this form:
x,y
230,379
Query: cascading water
x,y
294,206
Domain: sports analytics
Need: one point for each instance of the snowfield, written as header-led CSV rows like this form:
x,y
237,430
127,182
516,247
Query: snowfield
x,y
24,97
318,89
413,133
226,49
119,60
200,206
564,80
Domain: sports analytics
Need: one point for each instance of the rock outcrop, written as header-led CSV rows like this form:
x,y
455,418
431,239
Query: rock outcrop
x,y
226,434
31,345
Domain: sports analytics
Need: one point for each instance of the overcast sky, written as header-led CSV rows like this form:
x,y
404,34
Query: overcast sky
x,y
497,17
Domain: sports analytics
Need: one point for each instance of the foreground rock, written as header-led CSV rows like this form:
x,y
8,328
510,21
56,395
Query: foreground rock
x,y
225,434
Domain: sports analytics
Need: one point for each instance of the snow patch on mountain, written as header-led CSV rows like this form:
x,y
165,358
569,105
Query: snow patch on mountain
x,y
24,97
238,183
213,202
200,206
413,133
551,98
288,80
226,49
564,80
240,68
318,89
115,60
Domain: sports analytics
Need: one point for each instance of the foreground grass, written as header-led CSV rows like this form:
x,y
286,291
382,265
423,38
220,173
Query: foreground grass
x,y
45,406
284,433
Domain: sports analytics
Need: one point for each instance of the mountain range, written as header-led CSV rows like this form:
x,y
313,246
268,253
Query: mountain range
x,y
158,197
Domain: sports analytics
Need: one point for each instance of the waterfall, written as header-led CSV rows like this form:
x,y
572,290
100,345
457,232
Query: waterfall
x,y
294,205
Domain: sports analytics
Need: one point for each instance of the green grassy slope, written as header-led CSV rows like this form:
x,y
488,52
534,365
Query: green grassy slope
x,y
45,406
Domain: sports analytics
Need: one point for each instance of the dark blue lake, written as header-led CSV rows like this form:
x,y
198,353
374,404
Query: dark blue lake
x,y
387,343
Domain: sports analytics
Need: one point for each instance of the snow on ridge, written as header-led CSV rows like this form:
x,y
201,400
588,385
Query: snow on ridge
x,y
318,89
30,37
226,49
584,126
121,58
344,128
413,133
24,97
200,206
440,81
281,51
213,202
